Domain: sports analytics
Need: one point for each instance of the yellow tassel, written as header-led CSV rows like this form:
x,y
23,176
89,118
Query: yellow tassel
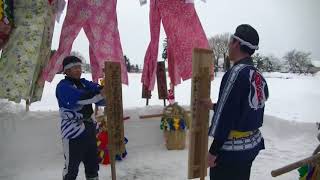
x,y
176,123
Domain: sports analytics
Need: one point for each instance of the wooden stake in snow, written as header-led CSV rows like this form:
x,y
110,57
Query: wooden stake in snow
x,y
114,112
198,148
162,82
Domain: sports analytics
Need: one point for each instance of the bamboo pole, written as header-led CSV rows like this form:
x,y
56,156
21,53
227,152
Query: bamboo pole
x,y
155,115
150,116
295,165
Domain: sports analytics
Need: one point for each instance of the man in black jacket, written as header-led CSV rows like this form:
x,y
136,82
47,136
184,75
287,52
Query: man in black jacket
x,y
239,112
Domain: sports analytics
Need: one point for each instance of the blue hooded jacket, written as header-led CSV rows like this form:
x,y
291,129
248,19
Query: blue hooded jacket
x,y
75,98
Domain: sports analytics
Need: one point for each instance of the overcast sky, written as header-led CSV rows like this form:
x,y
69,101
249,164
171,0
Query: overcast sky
x,y
283,25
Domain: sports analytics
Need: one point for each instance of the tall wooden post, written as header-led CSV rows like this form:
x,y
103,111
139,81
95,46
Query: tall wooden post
x,y
162,82
114,112
198,149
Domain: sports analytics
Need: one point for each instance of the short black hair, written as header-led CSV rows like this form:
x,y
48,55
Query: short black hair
x,y
249,34
70,59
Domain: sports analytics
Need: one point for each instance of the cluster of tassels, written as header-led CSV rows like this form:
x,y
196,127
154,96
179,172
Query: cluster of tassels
x,y
103,151
172,124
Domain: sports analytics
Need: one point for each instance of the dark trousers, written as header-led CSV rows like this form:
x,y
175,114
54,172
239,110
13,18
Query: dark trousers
x,y
231,171
81,149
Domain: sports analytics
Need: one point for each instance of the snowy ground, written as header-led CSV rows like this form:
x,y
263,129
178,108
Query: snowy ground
x,y
31,147
292,97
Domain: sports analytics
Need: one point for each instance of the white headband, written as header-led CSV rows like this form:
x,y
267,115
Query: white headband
x,y
243,42
72,65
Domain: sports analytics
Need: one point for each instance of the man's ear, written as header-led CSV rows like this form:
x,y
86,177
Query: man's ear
x,y
237,44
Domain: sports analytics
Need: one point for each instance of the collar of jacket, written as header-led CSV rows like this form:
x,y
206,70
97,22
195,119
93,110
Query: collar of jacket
x,y
73,79
247,60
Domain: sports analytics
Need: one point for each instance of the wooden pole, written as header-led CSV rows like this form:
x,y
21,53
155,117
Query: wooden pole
x,y
146,93
204,115
162,81
150,116
112,153
28,105
114,112
198,148
155,115
295,165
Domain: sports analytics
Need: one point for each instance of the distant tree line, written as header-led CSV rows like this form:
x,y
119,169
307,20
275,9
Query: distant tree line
x,y
87,68
131,67
294,61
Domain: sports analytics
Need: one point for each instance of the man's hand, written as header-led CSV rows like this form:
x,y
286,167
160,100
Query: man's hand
x,y
103,91
206,103
211,160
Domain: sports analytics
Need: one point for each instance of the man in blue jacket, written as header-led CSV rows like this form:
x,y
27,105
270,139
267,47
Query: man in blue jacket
x,y
78,129
239,112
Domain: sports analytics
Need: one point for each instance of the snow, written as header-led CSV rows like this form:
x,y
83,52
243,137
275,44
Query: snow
x,y
31,145
316,63
292,96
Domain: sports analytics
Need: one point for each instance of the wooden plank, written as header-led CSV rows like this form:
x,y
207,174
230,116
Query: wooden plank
x,y
150,116
162,81
200,89
155,115
114,112
146,94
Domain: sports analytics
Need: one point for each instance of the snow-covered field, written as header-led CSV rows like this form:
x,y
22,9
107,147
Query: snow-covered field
x,y
292,96
31,147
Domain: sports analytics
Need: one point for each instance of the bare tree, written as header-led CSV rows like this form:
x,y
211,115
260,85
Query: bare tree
x,y
216,53
219,45
165,49
224,50
127,62
298,61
